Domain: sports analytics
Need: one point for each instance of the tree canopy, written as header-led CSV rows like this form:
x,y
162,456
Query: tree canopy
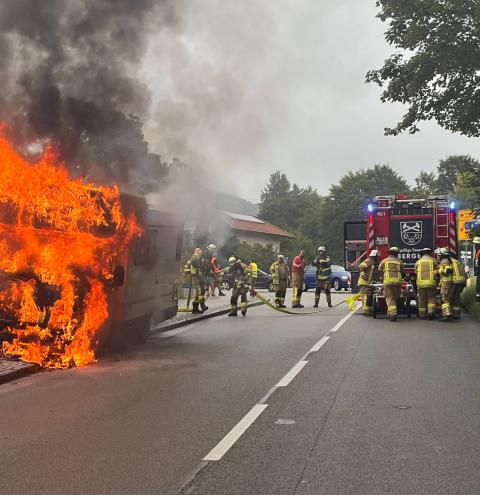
x,y
435,70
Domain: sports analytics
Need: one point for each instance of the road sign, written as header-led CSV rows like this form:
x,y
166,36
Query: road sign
x,y
466,221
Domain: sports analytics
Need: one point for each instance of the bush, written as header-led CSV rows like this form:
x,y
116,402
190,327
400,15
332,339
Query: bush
x,y
469,300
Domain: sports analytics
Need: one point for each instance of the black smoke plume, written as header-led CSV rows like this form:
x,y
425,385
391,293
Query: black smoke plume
x,y
68,71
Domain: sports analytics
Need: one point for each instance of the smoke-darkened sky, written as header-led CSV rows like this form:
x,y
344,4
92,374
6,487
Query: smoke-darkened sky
x,y
245,88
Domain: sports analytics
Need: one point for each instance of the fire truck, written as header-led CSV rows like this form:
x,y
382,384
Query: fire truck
x,y
411,225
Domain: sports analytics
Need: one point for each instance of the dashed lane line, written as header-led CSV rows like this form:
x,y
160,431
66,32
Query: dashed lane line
x,y
241,427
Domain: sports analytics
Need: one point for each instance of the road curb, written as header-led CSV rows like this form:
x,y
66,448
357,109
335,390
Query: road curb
x,y
205,316
16,369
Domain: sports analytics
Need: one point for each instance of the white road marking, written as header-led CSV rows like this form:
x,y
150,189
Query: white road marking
x,y
235,433
343,320
291,374
319,344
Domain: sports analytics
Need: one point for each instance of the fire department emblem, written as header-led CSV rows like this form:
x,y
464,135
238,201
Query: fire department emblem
x,y
411,232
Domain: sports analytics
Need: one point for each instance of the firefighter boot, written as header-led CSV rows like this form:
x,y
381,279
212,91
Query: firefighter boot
x,y
203,306
329,299
233,311
195,310
243,307
317,300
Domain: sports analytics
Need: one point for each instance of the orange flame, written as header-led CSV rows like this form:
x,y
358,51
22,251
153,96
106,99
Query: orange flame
x,y
59,236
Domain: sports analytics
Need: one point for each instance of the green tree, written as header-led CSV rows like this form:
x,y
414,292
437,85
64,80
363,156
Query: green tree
x,y
435,69
426,184
274,200
452,167
291,247
348,201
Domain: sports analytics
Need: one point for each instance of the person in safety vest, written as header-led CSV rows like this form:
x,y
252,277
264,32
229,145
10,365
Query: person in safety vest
x,y
426,271
281,280
368,275
323,277
298,271
192,272
476,265
446,283
254,270
459,282
391,269
241,284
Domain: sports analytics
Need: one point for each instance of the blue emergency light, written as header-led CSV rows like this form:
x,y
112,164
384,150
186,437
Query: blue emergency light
x,y
371,207
452,205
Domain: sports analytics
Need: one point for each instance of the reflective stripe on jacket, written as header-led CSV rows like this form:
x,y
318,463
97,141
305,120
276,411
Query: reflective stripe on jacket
x,y
426,270
276,270
368,272
254,269
459,275
324,268
391,268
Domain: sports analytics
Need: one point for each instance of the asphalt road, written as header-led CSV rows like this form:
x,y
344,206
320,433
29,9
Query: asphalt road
x,y
378,408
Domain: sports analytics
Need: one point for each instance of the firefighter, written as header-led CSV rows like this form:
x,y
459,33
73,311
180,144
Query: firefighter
x,y
368,275
323,276
281,280
205,274
298,271
241,282
446,283
391,269
459,281
254,270
192,270
426,271
476,265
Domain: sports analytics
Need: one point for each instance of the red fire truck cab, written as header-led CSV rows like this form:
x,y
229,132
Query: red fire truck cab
x,y
410,225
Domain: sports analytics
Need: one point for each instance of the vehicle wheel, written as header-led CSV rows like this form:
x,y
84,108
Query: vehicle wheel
x,y
374,306
270,287
337,285
225,285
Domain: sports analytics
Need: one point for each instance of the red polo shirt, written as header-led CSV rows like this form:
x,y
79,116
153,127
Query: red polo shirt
x,y
298,265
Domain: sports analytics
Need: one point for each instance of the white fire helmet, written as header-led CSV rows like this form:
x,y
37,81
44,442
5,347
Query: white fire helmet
x,y
211,247
321,249
444,252
232,260
281,257
374,253
476,240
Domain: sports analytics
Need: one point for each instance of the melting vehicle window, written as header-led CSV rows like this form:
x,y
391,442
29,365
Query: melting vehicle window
x,y
146,247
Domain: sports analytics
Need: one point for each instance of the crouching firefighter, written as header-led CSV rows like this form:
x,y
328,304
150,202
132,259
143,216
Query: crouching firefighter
x,y
323,276
391,268
426,271
368,275
194,276
281,280
241,284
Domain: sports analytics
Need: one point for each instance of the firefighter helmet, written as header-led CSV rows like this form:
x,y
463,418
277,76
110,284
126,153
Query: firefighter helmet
x,y
393,250
476,240
281,257
426,250
374,253
444,252
232,259
321,249
211,247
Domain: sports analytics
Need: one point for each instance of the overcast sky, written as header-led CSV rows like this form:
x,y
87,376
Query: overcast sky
x,y
243,88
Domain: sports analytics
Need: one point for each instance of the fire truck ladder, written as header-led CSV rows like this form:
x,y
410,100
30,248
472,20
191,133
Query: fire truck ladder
x,y
440,218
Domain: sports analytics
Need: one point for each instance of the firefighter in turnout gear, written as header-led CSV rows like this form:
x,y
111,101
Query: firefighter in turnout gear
x,y
446,283
426,271
476,265
323,276
368,275
241,284
281,280
205,274
459,282
298,271
391,269
192,271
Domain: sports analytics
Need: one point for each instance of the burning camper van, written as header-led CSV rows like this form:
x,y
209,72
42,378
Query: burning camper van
x,y
81,266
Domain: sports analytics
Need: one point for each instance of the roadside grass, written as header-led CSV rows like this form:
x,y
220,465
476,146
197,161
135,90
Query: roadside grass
x,y
469,299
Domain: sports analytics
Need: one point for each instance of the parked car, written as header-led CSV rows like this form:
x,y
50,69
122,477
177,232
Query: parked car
x,y
341,279
264,281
